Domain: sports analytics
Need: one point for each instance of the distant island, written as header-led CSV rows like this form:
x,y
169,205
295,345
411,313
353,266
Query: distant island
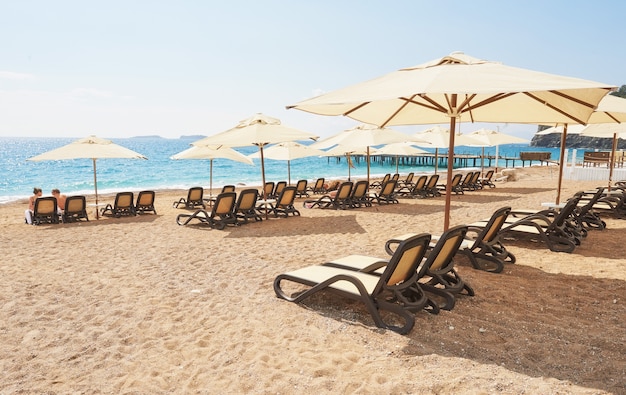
x,y
191,136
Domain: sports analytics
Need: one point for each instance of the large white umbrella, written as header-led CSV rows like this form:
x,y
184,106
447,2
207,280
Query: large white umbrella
x,y
363,137
342,150
211,153
611,109
461,88
399,149
93,148
259,130
439,137
490,138
288,151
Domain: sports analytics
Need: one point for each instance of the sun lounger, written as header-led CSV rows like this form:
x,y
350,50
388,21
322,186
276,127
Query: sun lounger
x,y
318,188
455,185
486,180
75,209
245,208
145,202
359,197
384,292
221,214
284,203
339,200
417,190
301,189
45,211
194,199
124,205
387,194
379,184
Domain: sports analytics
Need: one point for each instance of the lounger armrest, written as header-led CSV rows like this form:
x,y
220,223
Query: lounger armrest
x,y
389,245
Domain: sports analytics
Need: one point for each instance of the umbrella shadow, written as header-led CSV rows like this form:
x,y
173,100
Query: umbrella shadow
x,y
493,327
300,226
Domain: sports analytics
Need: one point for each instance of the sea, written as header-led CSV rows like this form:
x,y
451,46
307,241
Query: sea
x,y
18,175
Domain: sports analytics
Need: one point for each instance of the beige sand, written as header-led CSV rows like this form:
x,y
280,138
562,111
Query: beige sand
x,y
141,305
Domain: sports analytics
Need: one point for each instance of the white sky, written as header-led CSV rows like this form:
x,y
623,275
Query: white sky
x,y
170,68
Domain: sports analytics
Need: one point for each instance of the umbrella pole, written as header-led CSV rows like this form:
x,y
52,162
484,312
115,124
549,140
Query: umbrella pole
x,y
562,155
397,156
95,184
289,171
497,146
263,178
368,164
348,161
612,162
453,115
211,178
482,163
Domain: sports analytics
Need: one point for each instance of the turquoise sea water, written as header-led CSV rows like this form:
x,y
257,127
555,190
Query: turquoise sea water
x,y
19,176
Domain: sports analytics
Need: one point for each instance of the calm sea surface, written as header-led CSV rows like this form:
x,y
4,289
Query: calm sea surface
x,y
18,176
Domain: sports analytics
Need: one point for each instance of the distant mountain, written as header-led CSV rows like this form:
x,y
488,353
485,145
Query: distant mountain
x,y
147,137
575,141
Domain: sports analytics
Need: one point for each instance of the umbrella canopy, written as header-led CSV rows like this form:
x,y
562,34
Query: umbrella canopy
x,y
439,137
259,130
288,151
211,153
489,138
93,148
399,149
343,150
462,88
611,109
363,137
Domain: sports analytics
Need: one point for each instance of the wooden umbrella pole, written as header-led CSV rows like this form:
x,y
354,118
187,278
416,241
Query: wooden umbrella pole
x,y
612,162
95,184
263,178
453,115
561,164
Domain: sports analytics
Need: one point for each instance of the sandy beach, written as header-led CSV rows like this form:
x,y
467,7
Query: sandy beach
x,y
142,305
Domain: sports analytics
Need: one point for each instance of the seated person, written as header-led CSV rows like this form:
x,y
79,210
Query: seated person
x,y
28,213
60,200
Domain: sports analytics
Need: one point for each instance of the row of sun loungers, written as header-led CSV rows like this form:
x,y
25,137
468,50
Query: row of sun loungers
x,y
46,211
230,209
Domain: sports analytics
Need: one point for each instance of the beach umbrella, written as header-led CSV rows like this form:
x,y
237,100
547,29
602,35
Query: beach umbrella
x,y
399,149
288,151
610,110
211,153
362,137
461,88
93,148
342,150
490,138
439,137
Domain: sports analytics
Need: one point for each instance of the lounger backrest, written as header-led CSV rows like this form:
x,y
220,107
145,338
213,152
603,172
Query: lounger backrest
x,y
301,186
488,175
432,181
45,206
456,179
286,197
406,259
565,212
75,204
409,178
228,188
440,257
396,177
124,200
280,185
145,199
268,189
490,231
385,178
421,181
388,188
319,184
475,177
247,199
224,203
195,194
468,178
359,190
344,191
